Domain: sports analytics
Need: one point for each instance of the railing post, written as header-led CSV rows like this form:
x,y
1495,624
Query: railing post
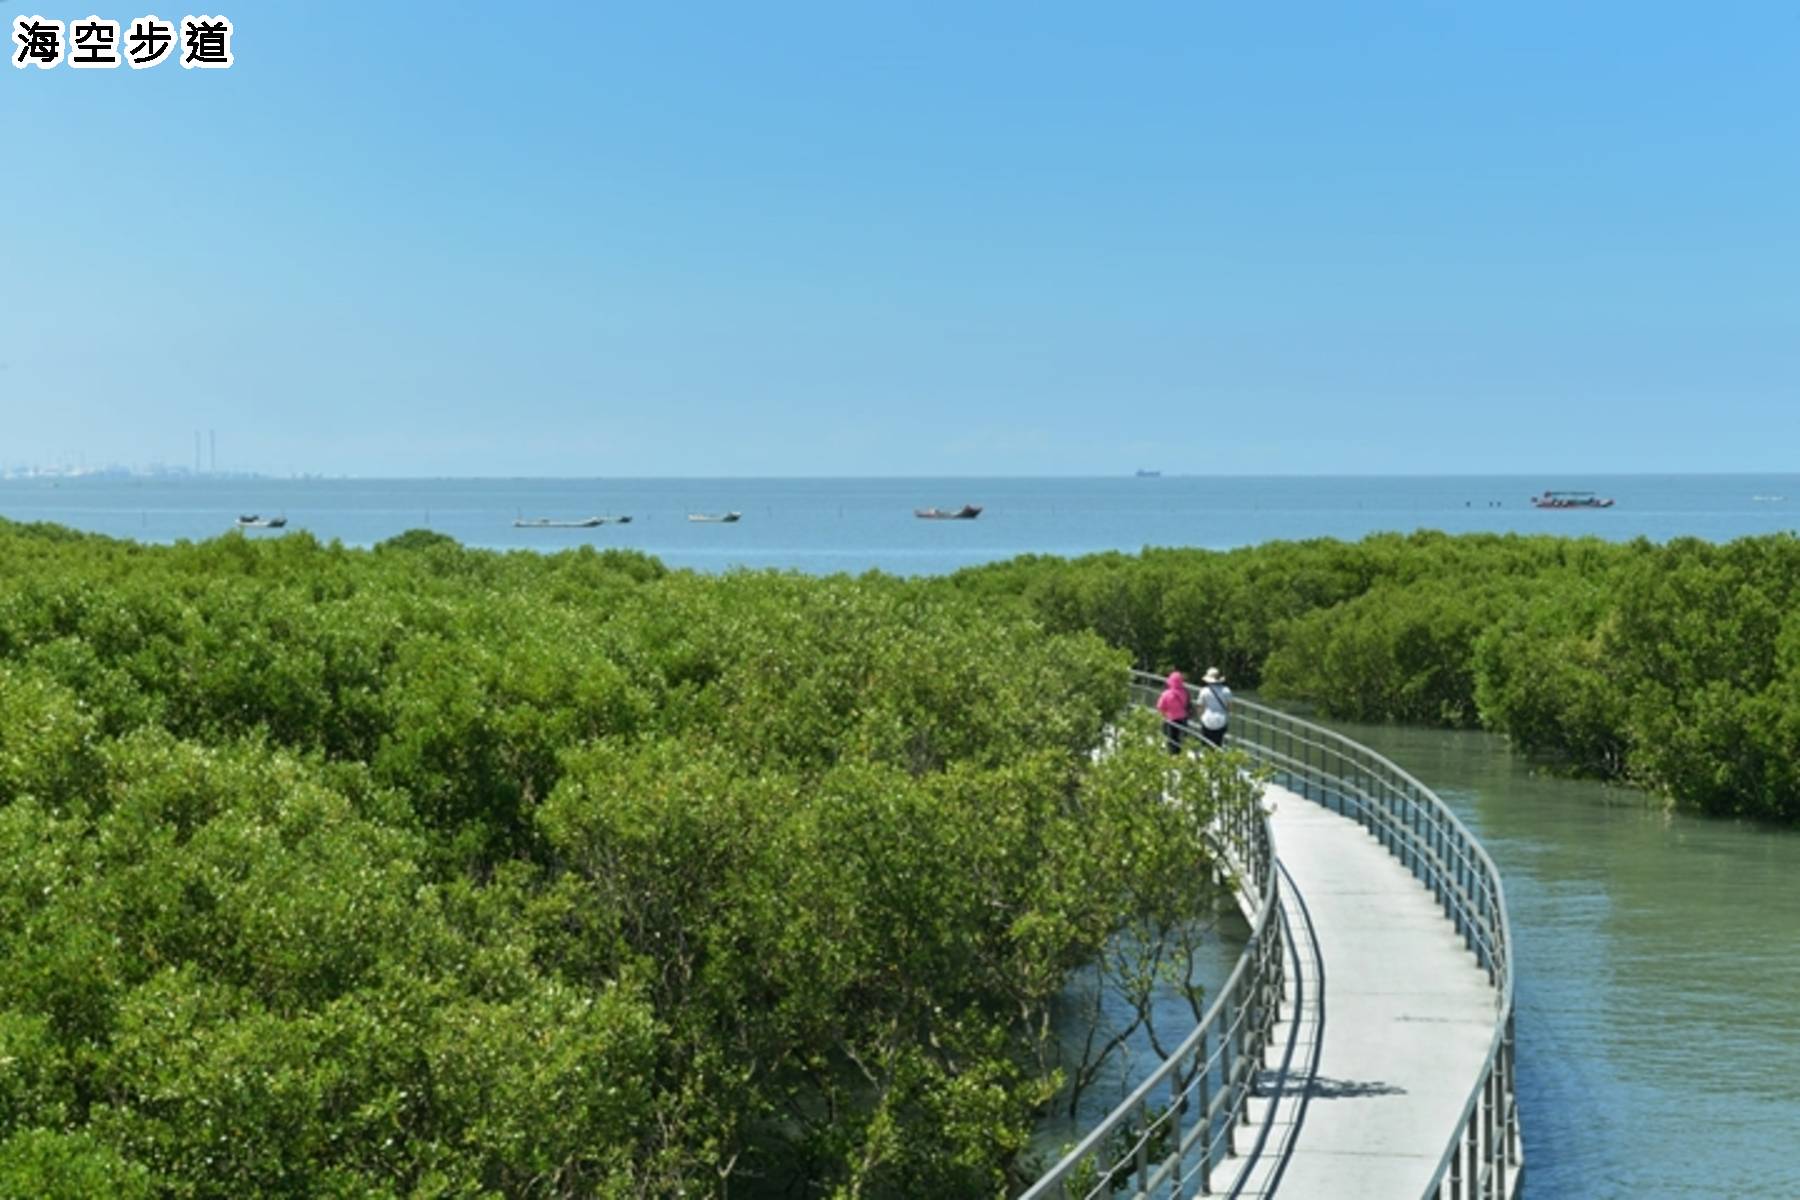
x,y
1497,1132
1508,1050
1437,859
1250,1044
1403,827
1450,868
1228,1069
1414,810
1469,902
1203,1093
1457,891
1376,802
1143,1146
1271,974
1422,834
1505,1139
1178,1106
1292,774
1471,1140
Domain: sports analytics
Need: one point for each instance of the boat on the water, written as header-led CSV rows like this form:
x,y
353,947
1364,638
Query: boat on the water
x,y
256,521
1571,500
715,518
548,523
1145,473
967,512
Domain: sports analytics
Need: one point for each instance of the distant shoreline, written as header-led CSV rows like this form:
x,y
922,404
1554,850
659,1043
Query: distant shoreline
x,y
1537,478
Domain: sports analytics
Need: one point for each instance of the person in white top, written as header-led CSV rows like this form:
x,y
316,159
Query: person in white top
x,y
1215,706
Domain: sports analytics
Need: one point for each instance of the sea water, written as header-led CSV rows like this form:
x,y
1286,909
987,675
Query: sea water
x,y
854,525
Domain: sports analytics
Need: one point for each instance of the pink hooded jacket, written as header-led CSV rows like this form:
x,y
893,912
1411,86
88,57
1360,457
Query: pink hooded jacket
x,y
1173,703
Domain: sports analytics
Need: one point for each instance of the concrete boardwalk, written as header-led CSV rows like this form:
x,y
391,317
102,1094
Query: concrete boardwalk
x,y
1385,1030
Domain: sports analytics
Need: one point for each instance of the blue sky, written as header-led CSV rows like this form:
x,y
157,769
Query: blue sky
x,y
830,239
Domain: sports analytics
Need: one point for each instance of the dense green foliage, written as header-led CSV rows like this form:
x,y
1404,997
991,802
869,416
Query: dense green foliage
x,y
428,872
1676,667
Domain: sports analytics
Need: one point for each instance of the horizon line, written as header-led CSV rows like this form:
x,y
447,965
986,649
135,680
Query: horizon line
x,y
242,475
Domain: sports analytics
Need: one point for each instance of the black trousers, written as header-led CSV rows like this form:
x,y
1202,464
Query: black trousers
x,y
1215,736
1172,731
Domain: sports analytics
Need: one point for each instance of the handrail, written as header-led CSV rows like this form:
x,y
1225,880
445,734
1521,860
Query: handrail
x,y
1179,1122
1482,1156
1412,823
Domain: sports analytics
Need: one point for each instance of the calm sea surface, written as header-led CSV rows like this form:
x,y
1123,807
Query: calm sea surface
x,y
826,525
1658,973
1658,955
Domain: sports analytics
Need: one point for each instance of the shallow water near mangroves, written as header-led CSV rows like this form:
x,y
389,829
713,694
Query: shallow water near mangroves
x,y
854,525
1658,976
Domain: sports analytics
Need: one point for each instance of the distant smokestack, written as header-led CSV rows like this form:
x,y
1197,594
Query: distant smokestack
x,y
212,451
196,451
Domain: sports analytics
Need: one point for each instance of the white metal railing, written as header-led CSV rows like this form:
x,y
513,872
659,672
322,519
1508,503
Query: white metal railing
x,y
1166,1137
1483,1155
1169,1134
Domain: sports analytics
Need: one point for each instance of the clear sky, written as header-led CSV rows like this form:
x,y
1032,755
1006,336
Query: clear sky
x,y
947,238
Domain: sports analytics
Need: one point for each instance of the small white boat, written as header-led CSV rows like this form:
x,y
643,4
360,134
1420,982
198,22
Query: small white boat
x,y
1571,500
715,518
548,523
254,521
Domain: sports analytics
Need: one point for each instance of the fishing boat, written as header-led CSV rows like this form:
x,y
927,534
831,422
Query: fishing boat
x,y
967,512
1571,500
715,518
255,521
549,523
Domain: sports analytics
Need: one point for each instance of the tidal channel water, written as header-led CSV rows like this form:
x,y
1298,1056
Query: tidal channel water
x,y
1658,975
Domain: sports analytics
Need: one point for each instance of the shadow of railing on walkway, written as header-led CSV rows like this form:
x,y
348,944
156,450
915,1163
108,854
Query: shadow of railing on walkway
x,y
1167,1136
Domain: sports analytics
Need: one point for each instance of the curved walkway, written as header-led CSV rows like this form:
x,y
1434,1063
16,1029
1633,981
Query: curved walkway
x,y
1393,1007
1362,1046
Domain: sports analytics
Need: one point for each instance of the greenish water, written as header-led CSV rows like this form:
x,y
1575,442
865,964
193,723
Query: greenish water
x,y
1658,973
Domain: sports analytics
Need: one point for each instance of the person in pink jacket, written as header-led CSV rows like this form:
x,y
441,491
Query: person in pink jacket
x,y
1173,705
